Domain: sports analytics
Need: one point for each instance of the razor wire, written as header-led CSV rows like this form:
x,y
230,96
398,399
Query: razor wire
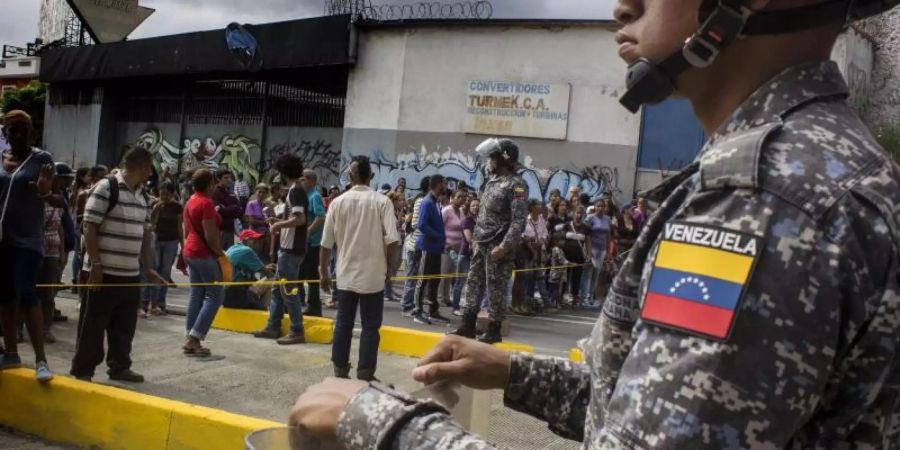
x,y
365,10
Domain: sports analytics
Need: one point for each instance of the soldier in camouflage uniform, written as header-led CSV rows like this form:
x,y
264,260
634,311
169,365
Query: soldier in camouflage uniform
x,y
760,306
498,232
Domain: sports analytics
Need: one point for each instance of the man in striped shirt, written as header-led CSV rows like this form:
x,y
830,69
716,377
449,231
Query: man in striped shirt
x,y
117,240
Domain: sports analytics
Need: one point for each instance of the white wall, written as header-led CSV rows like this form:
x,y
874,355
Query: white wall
x,y
884,102
12,69
407,98
855,55
72,132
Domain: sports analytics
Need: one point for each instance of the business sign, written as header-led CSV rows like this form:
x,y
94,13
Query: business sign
x,y
510,108
110,20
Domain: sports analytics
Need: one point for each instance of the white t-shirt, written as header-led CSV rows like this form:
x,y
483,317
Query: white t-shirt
x,y
362,223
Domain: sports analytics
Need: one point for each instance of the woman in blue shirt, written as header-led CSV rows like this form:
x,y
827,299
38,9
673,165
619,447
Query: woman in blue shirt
x,y
26,182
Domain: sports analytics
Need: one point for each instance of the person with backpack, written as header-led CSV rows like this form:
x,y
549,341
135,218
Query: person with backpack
x,y
117,241
201,250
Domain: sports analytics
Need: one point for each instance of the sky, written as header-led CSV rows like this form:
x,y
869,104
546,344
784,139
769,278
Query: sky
x,y
19,21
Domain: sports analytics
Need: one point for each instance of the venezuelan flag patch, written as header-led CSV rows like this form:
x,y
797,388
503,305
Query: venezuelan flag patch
x,y
698,278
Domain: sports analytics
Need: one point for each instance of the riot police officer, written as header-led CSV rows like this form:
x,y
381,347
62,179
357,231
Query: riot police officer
x,y
498,232
760,307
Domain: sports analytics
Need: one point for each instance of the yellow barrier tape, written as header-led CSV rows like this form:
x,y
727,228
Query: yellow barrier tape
x,y
284,282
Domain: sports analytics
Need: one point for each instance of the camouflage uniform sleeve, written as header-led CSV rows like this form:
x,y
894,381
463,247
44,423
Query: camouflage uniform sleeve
x,y
801,317
381,418
554,390
518,212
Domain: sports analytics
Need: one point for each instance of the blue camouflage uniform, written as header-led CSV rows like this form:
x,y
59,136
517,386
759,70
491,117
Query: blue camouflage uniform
x,y
791,214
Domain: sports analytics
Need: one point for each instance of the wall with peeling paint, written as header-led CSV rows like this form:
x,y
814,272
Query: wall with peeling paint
x,y
406,101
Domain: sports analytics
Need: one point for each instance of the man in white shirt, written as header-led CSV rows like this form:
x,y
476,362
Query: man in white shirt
x,y
362,224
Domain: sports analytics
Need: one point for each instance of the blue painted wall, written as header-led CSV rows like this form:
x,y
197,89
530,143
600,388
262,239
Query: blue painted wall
x,y
670,136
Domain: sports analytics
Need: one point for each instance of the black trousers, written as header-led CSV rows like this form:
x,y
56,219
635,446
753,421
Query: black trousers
x,y
309,270
431,265
109,311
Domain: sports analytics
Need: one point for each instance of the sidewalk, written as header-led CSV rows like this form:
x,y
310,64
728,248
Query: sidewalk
x,y
10,440
257,377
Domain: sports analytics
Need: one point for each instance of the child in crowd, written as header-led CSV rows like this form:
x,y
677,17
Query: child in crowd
x,y
557,275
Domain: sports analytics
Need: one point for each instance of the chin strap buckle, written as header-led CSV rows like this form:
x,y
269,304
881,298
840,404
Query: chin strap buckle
x,y
723,26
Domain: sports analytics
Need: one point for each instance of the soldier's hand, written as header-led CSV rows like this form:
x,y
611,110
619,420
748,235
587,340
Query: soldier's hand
x,y
465,361
497,254
318,409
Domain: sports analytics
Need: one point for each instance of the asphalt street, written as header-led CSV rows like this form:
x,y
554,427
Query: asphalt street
x,y
550,334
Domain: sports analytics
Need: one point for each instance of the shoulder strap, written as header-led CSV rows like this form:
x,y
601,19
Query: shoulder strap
x,y
113,193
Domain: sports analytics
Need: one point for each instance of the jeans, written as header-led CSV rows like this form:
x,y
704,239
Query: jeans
x,y
163,258
448,264
413,260
371,311
76,255
394,266
203,301
575,282
591,275
147,292
288,268
309,270
428,289
462,266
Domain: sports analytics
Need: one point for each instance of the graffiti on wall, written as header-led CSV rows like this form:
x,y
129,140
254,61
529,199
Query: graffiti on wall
x,y
232,152
468,170
319,155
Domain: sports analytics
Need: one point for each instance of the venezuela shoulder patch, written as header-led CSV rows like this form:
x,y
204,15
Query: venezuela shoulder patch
x,y
698,278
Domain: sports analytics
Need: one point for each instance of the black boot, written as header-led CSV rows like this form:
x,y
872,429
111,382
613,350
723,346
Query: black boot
x,y
342,372
467,327
492,335
366,375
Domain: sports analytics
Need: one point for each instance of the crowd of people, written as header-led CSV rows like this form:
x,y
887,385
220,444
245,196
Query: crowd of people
x,y
570,248
133,225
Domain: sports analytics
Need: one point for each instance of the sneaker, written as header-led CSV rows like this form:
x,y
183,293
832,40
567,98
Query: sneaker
x,y
267,334
157,311
85,378
49,338
127,375
292,339
420,318
436,317
142,314
10,361
42,372
407,313
457,313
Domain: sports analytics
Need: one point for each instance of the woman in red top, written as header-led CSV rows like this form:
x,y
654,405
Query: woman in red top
x,y
201,250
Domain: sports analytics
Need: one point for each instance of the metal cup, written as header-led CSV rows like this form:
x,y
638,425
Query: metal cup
x,y
284,438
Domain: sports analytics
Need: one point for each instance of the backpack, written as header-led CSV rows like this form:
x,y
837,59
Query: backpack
x,y
114,194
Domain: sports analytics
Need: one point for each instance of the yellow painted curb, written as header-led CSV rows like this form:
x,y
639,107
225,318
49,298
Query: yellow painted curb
x,y
576,355
97,416
414,343
316,329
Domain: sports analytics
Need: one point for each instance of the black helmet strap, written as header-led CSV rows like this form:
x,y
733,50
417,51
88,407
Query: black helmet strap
x,y
649,83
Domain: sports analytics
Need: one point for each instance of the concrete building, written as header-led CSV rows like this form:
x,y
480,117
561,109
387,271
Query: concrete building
x,y
16,73
408,102
416,96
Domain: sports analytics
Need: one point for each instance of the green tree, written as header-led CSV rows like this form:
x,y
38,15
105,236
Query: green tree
x,y
889,137
30,99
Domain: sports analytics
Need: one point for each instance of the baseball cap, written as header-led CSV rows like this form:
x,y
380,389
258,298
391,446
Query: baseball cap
x,y
250,234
